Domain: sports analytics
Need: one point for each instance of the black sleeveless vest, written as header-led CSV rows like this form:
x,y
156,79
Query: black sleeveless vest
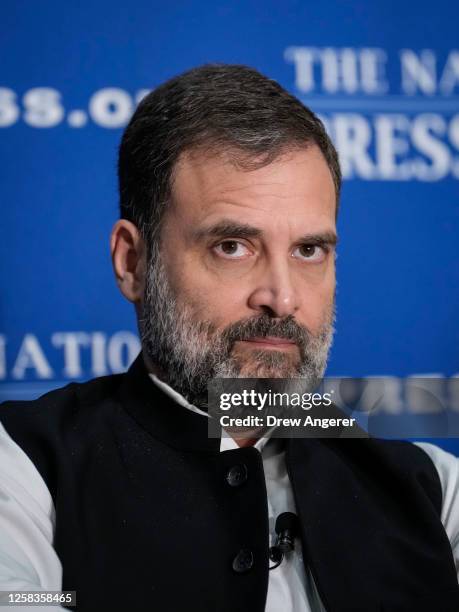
x,y
149,518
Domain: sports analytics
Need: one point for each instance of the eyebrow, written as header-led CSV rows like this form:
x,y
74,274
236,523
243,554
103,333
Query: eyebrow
x,y
320,239
228,228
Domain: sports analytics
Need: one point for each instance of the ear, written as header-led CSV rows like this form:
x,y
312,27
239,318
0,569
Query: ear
x,y
129,253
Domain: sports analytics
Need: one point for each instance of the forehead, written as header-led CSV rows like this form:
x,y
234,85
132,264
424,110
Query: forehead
x,y
297,186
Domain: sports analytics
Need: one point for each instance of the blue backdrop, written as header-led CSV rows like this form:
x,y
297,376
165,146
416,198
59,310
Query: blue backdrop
x,y
384,76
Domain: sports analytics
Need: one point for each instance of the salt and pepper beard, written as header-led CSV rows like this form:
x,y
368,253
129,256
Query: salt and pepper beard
x,y
190,352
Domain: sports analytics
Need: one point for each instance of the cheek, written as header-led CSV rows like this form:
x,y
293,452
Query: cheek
x,y
317,306
211,299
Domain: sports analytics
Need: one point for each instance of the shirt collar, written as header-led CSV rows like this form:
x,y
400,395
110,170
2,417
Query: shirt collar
x,y
226,442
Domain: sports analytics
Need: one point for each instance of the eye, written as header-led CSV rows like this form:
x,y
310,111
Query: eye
x,y
231,249
310,252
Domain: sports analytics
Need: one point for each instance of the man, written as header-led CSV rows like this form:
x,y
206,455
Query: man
x,y
229,192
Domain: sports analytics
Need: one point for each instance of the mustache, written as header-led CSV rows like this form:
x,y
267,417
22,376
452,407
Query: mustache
x,y
264,325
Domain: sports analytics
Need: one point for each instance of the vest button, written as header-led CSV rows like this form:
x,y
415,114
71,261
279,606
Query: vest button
x,y
243,561
237,475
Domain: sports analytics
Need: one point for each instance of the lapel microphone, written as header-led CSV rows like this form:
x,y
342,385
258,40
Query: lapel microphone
x,y
286,530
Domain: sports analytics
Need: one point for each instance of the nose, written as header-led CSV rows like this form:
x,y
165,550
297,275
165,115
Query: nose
x,y
275,293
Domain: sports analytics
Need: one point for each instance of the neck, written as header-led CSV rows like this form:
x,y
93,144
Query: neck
x,y
244,442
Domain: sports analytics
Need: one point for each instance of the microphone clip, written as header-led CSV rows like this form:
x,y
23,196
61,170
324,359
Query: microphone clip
x,y
286,530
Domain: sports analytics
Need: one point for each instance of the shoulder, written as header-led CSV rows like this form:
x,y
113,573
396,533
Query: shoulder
x,y
55,405
435,470
446,464
419,470
50,429
413,458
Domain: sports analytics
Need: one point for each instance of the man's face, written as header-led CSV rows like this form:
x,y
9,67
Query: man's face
x,y
243,281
